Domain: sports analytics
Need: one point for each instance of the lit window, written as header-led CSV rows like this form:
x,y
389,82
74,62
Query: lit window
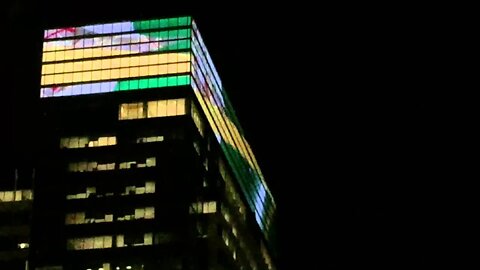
x,y
171,107
149,212
205,207
148,239
23,245
139,213
151,162
150,187
150,139
131,111
97,242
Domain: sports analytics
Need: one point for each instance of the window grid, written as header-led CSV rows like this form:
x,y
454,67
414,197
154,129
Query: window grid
x,y
152,109
116,73
121,27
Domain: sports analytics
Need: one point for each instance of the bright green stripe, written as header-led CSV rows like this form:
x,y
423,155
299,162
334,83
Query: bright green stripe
x,y
152,83
163,23
170,34
176,45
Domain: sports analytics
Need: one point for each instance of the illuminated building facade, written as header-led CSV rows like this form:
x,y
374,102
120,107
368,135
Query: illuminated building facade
x,y
150,168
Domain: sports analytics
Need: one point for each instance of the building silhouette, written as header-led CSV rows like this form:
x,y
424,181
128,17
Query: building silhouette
x,y
143,164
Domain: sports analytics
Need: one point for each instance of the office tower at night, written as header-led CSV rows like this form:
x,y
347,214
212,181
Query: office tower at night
x,y
146,165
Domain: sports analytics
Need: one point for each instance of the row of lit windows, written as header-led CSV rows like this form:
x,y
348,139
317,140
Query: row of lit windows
x,y
91,192
15,196
158,40
110,28
138,213
110,86
89,166
117,50
150,139
84,142
115,63
100,242
203,207
150,109
153,83
163,23
117,73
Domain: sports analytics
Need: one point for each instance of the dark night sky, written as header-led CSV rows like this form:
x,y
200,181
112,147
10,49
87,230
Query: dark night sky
x,y
335,103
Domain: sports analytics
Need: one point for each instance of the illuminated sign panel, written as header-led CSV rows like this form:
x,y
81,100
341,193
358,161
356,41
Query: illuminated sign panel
x,y
154,54
103,58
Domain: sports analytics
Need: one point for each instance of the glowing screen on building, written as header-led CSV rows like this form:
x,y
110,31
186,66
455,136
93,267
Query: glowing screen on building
x,y
104,57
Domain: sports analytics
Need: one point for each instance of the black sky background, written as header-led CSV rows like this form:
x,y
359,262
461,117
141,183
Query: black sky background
x,y
336,101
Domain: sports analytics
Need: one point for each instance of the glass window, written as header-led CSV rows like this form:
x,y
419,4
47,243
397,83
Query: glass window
x,y
115,62
131,84
150,212
82,142
59,56
140,190
172,22
144,72
78,54
183,44
115,73
47,69
120,240
105,74
182,21
162,82
131,111
139,213
8,196
106,63
172,81
18,195
112,140
180,106
152,82
27,194
151,162
164,23
150,187
134,72
152,109
171,107
77,77
148,239
162,108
